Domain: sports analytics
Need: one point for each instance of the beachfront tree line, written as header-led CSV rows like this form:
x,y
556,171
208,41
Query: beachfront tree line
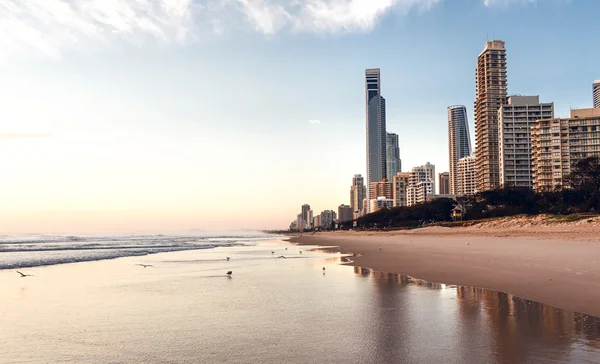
x,y
581,194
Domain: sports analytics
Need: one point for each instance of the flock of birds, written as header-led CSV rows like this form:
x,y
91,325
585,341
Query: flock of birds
x,y
229,273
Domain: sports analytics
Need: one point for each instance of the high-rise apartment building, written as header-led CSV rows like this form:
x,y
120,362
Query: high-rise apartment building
x,y
382,188
425,173
358,192
375,125
444,183
559,143
491,92
304,214
424,190
466,176
393,163
459,140
515,120
400,188
596,92
309,220
345,213
327,218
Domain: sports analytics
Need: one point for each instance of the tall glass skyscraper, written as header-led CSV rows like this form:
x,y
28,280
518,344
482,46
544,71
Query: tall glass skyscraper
x,y
459,141
375,126
393,164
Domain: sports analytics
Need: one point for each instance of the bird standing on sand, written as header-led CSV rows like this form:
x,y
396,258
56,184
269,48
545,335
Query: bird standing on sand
x,y
323,268
379,248
145,265
230,273
300,251
467,243
272,252
285,248
228,258
24,275
281,256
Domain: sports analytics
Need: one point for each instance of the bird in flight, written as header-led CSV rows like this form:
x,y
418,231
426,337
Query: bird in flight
x,y
229,273
145,265
24,275
228,258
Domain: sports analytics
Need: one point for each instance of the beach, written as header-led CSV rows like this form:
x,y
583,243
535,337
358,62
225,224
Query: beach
x,y
184,308
558,265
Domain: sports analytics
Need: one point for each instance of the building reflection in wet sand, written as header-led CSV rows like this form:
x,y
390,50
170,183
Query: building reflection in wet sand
x,y
471,325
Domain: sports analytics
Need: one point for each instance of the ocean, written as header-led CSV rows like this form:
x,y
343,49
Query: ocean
x,y
278,306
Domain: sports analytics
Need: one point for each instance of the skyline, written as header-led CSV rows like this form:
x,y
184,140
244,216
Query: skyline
x,y
119,135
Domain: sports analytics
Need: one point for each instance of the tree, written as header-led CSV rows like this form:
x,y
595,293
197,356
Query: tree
x,y
584,179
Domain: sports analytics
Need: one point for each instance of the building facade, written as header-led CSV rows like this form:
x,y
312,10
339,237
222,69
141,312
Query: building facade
x,y
375,126
393,163
558,144
459,140
423,190
358,193
444,183
596,93
382,188
424,173
305,210
380,203
515,120
345,213
327,218
400,188
491,93
317,221
466,176
309,220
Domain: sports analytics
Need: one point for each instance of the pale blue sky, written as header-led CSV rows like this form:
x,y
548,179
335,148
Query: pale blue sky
x,y
115,115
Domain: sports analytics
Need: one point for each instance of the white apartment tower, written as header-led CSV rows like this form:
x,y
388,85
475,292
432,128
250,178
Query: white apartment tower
x,y
466,176
421,177
400,188
459,141
515,120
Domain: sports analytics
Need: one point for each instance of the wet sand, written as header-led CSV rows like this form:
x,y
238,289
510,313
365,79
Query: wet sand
x,y
560,268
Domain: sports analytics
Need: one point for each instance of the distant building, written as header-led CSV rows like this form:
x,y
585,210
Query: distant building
x,y
305,210
327,218
358,193
381,203
596,91
309,220
294,226
444,183
376,132
459,140
300,222
466,176
400,188
425,173
393,165
382,188
515,120
559,143
491,91
345,213
365,204
317,222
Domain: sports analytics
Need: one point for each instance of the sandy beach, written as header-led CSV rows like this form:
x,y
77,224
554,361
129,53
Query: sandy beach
x,y
558,265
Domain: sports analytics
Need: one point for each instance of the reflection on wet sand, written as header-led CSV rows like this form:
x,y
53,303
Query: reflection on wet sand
x,y
510,329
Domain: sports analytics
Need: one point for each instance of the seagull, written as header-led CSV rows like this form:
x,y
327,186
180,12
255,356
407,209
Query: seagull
x,y
228,258
281,256
145,265
323,268
467,243
229,273
24,275
285,248
379,248
300,251
272,252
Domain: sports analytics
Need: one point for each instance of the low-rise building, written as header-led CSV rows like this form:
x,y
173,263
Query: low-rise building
x,y
345,213
381,203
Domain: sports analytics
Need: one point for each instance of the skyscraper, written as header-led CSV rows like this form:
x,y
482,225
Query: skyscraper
x,y
515,120
459,141
393,165
444,183
304,214
491,91
375,126
596,90
358,192
467,177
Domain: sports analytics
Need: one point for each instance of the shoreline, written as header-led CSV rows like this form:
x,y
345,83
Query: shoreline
x,y
560,270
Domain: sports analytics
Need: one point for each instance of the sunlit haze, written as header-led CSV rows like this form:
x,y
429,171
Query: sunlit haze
x,y
171,115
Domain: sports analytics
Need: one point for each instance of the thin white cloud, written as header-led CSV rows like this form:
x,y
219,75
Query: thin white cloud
x,y
506,3
314,122
51,27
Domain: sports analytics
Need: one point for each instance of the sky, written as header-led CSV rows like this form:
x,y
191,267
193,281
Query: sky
x,y
170,115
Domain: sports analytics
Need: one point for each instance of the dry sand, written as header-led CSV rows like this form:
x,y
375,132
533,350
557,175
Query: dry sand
x,y
558,264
